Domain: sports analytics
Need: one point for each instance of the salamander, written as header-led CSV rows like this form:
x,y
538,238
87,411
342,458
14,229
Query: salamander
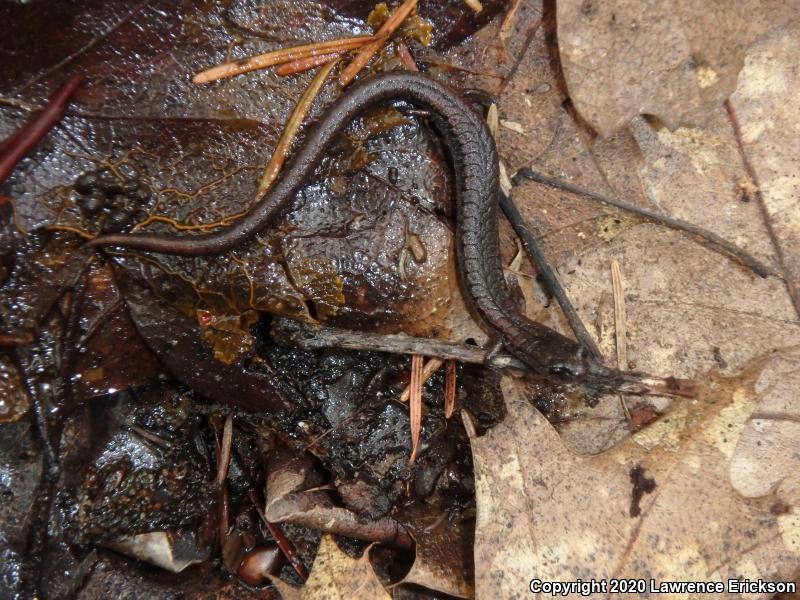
x,y
474,159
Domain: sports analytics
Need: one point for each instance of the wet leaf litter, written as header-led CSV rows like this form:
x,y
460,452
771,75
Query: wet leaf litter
x,y
336,259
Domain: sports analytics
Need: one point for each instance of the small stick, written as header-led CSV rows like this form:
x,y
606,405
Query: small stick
x,y
713,239
449,389
415,405
428,370
286,547
620,327
277,57
387,29
299,113
316,337
27,137
554,287
302,65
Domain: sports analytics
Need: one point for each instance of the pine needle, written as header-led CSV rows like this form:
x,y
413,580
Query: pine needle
x,y
415,406
284,144
280,56
369,49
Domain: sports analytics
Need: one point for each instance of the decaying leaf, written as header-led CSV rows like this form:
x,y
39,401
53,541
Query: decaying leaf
x,y
674,60
662,505
443,557
336,576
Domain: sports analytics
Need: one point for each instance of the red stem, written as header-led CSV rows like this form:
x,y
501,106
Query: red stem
x,y
16,146
283,542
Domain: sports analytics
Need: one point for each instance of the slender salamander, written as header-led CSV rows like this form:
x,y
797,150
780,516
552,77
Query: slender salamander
x,y
475,166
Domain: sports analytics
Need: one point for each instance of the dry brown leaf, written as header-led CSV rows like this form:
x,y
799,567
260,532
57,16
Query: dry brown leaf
x,y
688,310
336,576
765,104
724,496
671,59
545,512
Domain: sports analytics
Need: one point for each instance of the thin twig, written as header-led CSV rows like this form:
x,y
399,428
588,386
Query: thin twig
x,y
548,276
277,57
315,337
791,284
536,254
369,49
713,239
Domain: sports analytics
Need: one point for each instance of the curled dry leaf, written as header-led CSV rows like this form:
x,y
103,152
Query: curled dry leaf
x,y
336,576
664,505
290,500
671,59
443,560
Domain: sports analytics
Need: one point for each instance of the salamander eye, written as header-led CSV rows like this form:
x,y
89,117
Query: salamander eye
x,y
566,371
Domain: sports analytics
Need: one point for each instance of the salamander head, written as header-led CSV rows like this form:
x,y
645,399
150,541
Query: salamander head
x,y
583,371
